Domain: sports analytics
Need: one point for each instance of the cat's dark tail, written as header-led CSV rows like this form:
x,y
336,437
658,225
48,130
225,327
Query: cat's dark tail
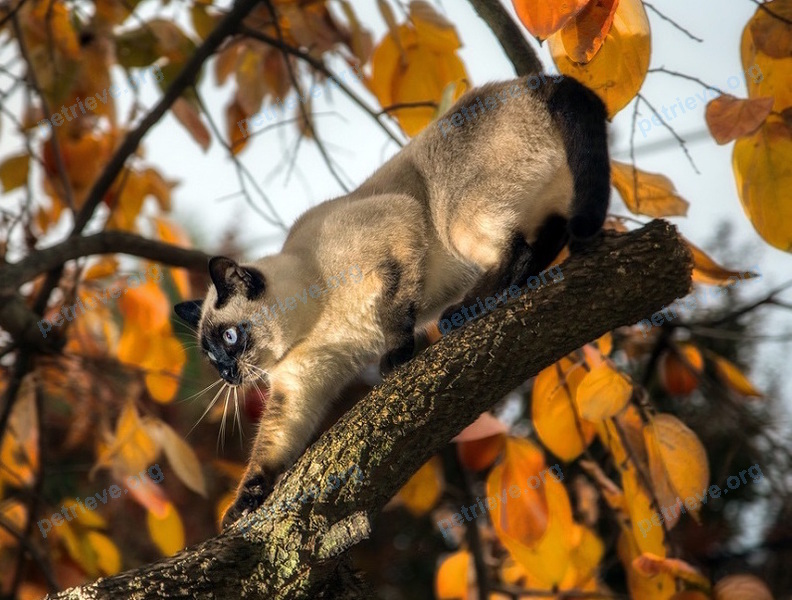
x,y
581,118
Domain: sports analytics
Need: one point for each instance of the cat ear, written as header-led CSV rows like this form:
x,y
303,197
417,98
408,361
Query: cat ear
x,y
190,311
230,278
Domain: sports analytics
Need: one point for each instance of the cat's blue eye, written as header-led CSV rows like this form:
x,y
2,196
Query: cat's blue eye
x,y
230,336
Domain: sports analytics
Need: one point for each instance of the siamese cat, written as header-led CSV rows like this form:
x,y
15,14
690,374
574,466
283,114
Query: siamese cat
x,y
479,201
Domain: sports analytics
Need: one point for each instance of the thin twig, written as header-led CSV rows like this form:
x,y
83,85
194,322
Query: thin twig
x,y
303,111
242,171
689,77
674,23
393,107
320,66
674,133
12,13
509,35
31,549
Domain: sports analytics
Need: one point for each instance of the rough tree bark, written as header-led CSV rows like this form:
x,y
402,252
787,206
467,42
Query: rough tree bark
x,y
408,418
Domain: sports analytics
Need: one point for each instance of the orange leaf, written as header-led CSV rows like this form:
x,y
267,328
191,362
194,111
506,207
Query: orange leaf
x,y
422,490
164,362
733,376
729,118
190,119
166,531
554,411
650,565
453,577
583,35
602,393
741,587
147,493
544,17
108,558
131,448
618,70
479,454
655,195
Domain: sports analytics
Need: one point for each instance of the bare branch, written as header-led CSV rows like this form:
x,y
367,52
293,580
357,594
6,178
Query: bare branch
x,y
511,38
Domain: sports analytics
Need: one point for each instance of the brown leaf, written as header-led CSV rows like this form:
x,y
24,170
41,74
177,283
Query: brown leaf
x,y
188,116
14,172
741,587
770,34
729,118
650,565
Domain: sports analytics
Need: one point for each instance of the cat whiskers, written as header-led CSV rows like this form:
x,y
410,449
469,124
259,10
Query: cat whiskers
x,y
211,404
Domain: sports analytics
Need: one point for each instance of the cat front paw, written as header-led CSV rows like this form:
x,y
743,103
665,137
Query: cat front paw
x,y
249,497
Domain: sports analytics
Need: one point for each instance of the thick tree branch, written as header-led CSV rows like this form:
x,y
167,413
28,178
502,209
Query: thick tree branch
x,y
407,419
105,242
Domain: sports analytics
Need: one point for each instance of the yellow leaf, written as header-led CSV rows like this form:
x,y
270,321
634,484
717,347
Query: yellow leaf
x,y
13,513
618,70
733,376
706,270
415,65
222,506
741,587
659,587
180,456
423,489
650,565
108,558
766,75
104,267
646,536
453,577
190,119
167,532
164,362
554,412
544,17
729,118
19,446
677,462
763,172
655,195
14,172
535,524
603,393
583,35
203,23
131,449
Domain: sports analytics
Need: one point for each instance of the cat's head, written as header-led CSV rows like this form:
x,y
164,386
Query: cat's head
x,y
232,332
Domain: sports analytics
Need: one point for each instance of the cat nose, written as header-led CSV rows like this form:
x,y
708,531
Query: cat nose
x,y
231,375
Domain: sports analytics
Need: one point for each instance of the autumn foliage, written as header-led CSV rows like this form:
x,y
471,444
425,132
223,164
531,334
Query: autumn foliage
x,y
103,402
